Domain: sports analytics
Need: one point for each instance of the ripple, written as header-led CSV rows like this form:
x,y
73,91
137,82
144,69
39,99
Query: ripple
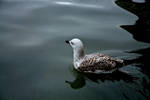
x,y
78,5
139,1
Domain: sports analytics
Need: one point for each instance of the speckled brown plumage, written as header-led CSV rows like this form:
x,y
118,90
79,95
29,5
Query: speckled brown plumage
x,y
98,61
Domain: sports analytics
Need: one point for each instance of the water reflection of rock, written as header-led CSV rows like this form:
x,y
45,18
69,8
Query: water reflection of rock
x,y
80,78
141,29
141,32
143,60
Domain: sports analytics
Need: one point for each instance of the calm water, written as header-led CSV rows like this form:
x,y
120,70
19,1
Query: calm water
x,y
36,64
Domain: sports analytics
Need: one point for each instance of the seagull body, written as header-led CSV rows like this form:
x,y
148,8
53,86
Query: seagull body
x,y
92,63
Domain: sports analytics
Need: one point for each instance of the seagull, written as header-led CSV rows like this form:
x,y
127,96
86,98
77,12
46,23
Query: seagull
x,y
92,63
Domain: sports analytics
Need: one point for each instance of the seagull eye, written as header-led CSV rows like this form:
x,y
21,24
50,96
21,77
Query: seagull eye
x,y
72,43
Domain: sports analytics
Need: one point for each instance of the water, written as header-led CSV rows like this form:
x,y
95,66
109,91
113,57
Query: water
x,y
36,64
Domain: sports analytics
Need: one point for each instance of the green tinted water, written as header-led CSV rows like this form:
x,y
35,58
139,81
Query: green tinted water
x,y
36,64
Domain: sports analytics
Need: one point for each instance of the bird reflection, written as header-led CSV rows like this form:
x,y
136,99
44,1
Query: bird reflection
x,y
79,82
80,78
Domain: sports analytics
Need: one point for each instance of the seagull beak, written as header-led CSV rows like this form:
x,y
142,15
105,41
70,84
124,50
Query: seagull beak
x,y
67,41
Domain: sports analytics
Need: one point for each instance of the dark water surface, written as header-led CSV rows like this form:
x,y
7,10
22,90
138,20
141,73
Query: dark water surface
x,y
36,64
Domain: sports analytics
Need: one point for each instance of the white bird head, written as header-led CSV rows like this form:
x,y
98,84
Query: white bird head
x,y
75,43
77,46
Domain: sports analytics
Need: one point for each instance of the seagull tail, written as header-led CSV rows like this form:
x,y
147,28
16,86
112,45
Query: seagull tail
x,y
119,62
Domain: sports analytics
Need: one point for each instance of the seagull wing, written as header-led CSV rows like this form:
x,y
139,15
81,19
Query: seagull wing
x,y
98,61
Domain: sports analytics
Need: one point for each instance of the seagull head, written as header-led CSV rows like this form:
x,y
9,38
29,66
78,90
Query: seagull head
x,y
77,46
75,43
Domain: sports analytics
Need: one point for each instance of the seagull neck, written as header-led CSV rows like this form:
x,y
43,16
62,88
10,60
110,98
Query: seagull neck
x,y
78,54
